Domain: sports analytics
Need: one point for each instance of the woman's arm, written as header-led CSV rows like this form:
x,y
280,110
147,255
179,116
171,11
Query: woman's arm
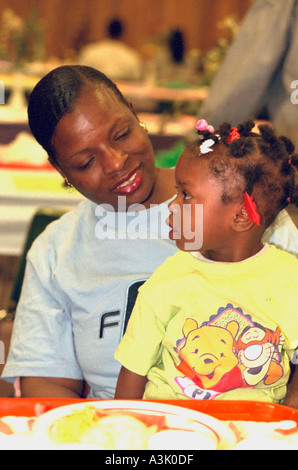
x,y
48,387
130,385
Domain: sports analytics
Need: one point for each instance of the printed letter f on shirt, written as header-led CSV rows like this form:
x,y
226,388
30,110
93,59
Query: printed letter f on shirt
x,y
106,322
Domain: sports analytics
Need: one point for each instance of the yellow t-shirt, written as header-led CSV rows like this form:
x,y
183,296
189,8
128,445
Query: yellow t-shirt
x,y
204,330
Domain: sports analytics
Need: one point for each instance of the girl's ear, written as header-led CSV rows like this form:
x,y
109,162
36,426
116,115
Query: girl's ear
x,y
241,222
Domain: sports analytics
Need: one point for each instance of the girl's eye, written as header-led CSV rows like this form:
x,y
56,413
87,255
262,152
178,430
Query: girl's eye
x,y
183,193
186,196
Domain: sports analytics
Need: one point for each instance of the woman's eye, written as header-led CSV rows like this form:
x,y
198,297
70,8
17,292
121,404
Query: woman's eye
x,y
121,135
86,165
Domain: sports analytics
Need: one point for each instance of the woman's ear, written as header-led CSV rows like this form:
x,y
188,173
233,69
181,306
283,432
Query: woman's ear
x,y
67,184
130,105
241,222
56,166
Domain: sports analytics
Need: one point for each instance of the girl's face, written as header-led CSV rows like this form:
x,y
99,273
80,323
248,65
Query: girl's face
x,y
102,150
198,191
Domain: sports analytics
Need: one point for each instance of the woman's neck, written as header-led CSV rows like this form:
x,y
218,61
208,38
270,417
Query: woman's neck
x,y
163,188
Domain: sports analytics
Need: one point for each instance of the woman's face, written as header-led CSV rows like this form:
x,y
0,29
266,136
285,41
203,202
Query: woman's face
x,y
103,151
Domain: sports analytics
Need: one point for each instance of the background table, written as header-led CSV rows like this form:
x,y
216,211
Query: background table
x,y
22,193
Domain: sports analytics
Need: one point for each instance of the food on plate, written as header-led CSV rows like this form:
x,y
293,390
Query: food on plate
x,y
105,430
134,425
127,430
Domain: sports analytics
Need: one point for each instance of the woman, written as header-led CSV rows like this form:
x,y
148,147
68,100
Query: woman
x,y
84,271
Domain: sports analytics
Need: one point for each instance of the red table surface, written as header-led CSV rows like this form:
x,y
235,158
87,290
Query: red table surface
x,y
224,410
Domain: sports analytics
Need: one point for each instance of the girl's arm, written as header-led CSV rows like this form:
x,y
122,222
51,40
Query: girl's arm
x,y
130,385
292,395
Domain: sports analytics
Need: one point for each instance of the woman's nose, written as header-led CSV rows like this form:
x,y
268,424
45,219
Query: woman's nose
x,y
113,160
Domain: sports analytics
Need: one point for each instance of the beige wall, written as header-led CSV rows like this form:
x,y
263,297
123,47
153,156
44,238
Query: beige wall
x,y
143,19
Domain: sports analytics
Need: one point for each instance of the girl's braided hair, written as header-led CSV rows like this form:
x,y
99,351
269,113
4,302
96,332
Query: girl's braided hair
x,y
259,163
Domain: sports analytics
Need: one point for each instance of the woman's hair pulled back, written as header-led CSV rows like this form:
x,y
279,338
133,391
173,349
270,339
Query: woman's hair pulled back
x,y
56,94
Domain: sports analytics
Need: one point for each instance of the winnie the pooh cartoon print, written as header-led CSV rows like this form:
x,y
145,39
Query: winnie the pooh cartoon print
x,y
208,360
221,355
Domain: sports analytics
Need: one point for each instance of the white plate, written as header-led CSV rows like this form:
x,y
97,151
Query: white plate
x,y
210,433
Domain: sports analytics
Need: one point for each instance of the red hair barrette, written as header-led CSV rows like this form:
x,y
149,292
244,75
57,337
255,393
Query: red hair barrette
x,y
251,209
234,135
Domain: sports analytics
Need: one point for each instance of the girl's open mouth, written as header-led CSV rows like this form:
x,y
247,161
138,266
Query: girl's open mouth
x,y
174,235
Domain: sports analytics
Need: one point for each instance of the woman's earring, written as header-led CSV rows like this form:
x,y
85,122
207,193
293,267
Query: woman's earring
x,y
67,184
144,126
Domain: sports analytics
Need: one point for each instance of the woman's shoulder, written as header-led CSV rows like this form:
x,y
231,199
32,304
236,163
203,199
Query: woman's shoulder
x,y
283,233
69,224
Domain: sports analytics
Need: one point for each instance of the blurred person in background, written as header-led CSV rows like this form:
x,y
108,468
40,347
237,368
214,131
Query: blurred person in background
x,y
171,63
112,56
259,77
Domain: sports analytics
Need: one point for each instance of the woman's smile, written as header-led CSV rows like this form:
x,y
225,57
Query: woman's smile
x,y
130,183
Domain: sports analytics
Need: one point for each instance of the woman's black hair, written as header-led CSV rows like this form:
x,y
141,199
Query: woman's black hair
x,y
259,163
56,94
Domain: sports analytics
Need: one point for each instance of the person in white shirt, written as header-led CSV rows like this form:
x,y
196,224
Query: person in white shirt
x,y
259,76
112,56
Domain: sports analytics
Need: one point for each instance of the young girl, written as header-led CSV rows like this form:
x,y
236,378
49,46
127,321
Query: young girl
x,y
219,321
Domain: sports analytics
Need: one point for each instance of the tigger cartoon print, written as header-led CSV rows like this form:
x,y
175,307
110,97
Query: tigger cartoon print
x,y
257,351
228,352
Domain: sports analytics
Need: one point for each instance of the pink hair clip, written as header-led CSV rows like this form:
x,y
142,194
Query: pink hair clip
x,y
202,125
234,135
251,209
